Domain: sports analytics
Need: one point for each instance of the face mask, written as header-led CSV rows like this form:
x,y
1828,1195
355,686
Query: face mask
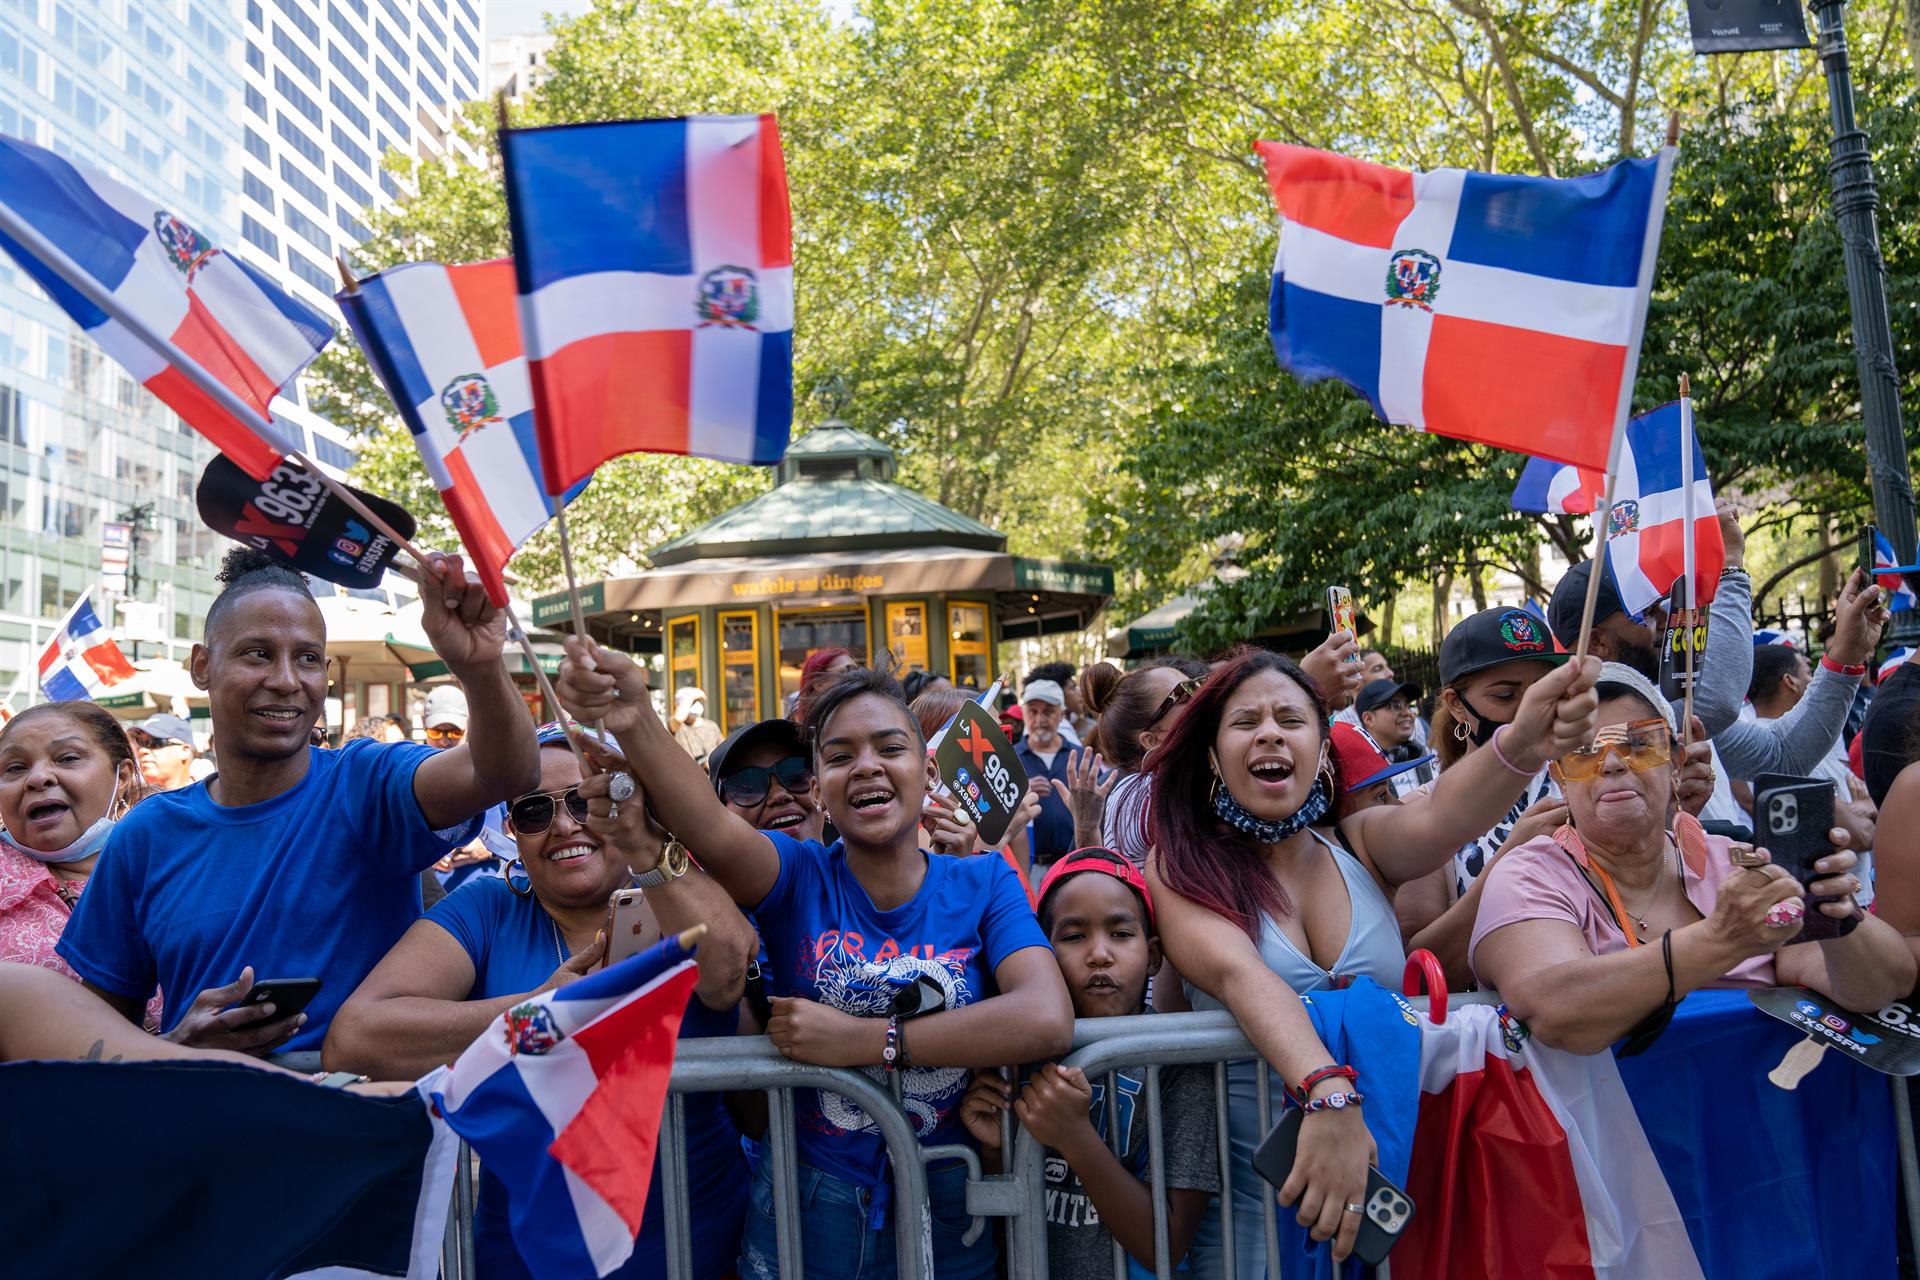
x,y
1484,729
91,841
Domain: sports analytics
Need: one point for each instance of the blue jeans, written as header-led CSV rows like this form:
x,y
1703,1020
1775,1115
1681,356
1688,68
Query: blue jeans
x,y
836,1242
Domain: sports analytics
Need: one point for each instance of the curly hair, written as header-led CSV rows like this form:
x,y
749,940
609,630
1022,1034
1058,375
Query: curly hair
x,y
245,570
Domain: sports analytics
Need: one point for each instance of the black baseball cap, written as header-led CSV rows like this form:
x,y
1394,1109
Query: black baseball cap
x,y
1570,601
783,733
1378,693
1491,637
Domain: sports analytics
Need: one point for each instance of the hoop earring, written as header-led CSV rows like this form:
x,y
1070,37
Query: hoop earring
x,y
1460,733
513,887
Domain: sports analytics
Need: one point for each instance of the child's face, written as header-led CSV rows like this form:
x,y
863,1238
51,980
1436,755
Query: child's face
x,y
1102,945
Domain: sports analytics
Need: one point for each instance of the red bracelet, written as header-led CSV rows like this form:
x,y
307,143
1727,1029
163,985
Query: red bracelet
x,y
1326,1073
1857,669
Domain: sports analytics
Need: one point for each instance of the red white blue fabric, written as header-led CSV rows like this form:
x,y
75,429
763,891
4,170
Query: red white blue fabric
x,y
655,267
561,1096
1645,544
80,659
1892,663
1891,574
446,342
220,312
1490,307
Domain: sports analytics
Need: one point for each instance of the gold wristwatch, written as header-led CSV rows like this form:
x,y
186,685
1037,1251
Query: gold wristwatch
x,y
673,864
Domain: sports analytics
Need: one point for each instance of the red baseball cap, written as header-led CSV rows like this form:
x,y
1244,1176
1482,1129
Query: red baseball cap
x,y
1360,761
1105,861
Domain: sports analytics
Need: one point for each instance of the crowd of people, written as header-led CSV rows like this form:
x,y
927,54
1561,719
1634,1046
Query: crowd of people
x,y
1225,834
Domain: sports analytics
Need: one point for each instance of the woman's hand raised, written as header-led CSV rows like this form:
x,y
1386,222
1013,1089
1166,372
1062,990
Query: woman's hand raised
x,y
1556,715
601,686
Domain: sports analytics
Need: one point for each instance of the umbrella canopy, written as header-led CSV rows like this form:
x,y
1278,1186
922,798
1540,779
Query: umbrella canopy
x,y
159,684
375,641
1153,631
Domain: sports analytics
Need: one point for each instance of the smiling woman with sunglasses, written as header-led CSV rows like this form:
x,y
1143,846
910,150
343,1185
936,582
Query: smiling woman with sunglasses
x,y
1592,934
493,942
764,773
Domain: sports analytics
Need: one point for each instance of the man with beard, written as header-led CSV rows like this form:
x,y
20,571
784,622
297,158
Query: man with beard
x,y
1795,743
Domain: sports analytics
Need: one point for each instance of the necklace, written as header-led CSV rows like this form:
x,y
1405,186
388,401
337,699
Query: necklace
x,y
560,948
1639,917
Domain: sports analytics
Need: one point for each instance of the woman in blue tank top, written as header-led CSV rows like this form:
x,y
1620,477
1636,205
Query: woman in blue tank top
x,y
1268,898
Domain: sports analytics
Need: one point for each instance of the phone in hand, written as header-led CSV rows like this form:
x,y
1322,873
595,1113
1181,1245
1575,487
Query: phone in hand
x,y
1791,817
1869,542
1387,1207
628,921
1340,616
288,996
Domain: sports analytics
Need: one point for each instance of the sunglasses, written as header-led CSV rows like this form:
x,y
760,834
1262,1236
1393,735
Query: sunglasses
x,y
1642,745
750,785
448,732
534,813
151,743
1181,694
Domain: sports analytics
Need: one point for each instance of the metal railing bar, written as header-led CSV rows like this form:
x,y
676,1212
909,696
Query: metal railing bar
x,y
1157,1178
1223,1134
674,1204
786,1172
1909,1161
1116,1142
1269,1204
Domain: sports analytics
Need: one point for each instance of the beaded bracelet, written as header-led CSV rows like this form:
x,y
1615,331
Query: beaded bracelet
x,y
1501,756
890,1055
1313,1078
1332,1102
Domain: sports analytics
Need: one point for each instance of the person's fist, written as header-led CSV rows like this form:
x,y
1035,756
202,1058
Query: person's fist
x,y
601,686
1556,715
461,623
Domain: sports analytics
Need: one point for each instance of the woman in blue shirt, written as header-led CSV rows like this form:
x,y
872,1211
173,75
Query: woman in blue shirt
x,y
493,942
849,926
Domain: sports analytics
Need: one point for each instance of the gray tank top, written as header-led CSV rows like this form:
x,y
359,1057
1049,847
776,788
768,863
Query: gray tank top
x,y
1372,949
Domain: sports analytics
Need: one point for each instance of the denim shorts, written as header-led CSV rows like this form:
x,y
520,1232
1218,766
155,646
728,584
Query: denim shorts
x,y
836,1242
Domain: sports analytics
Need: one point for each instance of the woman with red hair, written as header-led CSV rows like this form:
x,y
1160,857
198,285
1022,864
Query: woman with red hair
x,y
1263,897
821,665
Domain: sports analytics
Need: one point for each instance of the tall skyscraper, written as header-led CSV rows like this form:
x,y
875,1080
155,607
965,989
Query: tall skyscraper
x,y
260,122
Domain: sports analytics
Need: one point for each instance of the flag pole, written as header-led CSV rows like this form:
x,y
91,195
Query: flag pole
x,y
1690,567
1649,251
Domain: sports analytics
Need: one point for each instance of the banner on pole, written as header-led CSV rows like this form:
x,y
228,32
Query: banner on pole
x,y
1741,26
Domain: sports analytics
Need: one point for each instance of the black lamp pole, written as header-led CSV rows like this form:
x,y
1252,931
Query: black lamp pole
x,y
1855,202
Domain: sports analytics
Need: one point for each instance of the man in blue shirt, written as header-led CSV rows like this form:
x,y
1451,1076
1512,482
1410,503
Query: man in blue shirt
x,y
292,862
1043,753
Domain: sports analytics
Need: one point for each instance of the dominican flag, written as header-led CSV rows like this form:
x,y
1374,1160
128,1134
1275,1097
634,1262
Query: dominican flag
x,y
1490,307
446,343
1645,543
654,260
561,1099
1682,1162
163,275
80,659
1892,575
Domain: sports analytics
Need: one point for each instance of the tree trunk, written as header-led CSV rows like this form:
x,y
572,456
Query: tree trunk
x,y
1913,37
1477,582
1829,565
1532,566
1442,593
1386,635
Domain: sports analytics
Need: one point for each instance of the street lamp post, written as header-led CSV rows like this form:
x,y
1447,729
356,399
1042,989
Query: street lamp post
x,y
1855,202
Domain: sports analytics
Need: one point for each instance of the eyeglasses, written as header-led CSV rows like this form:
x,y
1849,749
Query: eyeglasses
x,y
448,732
533,814
750,785
1181,694
1642,745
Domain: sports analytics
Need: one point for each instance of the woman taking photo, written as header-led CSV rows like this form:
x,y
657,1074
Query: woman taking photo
x,y
1265,901
1594,932
495,941
858,934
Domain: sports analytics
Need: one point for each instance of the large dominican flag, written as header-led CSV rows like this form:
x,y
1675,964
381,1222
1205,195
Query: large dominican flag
x,y
446,342
80,659
1490,307
561,1099
219,312
1645,540
655,269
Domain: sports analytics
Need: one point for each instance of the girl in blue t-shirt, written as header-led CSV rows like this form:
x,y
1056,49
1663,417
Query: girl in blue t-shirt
x,y
850,928
494,942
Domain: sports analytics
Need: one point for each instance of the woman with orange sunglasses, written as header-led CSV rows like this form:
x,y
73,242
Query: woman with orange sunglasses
x,y
1593,933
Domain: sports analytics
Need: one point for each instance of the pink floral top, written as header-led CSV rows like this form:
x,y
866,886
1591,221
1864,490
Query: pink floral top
x,y
34,906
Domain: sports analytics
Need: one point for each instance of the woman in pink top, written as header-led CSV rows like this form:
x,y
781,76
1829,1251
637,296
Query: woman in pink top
x,y
67,772
1593,933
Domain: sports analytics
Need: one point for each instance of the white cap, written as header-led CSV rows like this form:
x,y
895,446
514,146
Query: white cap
x,y
446,705
1043,691
1620,673
686,696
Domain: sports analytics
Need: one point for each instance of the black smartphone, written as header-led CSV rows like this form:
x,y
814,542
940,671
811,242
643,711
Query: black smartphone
x,y
288,996
1791,817
1387,1208
1868,545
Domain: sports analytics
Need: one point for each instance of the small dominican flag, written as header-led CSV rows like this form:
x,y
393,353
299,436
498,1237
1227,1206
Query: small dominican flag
x,y
81,660
1892,575
220,312
561,1099
1892,663
1490,307
446,342
655,267
1644,544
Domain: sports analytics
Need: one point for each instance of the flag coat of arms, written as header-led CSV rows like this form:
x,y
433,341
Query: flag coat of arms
x,y
1891,575
1647,526
1490,307
221,313
655,268
80,659
561,1099
445,341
